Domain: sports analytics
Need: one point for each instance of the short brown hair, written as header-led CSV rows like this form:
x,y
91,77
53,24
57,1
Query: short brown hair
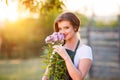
x,y
69,16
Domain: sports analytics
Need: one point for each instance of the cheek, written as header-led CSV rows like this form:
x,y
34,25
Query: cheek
x,y
70,34
71,31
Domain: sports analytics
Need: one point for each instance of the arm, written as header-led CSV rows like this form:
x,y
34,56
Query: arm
x,y
45,77
83,66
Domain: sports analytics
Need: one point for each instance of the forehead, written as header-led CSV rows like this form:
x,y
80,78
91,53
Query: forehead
x,y
64,23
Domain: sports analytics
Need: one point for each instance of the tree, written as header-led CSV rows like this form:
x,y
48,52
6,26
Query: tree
x,y
83,19
48,10
43,7
49,5
31,5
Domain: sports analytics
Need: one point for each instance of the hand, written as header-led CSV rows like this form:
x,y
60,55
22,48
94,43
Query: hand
x,y
61,51
44,78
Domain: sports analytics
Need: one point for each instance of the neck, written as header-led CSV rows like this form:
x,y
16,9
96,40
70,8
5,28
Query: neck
x,y
72,40
71,43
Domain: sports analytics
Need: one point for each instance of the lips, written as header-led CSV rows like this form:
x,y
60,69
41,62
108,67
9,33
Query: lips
x,y
65,35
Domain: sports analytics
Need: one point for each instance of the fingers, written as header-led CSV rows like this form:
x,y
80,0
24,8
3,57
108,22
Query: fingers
x,y
61,51
58,48
44,78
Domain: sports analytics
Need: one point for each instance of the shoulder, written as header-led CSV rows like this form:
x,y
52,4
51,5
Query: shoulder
x,y
84,47
84,51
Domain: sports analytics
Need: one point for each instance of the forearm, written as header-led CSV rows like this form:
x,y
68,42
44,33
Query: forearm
x,y
72,70
46,72
45,76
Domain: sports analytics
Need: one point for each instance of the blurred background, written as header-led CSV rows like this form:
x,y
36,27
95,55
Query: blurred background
x,y
24,25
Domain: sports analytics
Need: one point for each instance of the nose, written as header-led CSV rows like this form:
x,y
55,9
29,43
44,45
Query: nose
x,y
62,31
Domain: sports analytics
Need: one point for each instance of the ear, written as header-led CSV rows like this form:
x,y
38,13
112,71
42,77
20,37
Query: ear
x,y
75,29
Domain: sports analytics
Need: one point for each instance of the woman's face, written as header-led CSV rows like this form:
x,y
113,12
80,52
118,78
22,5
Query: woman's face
x,y
67,29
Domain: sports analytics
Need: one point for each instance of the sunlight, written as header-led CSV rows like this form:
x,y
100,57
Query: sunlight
x,y
2,11
106,7
99,7
8,12
12,13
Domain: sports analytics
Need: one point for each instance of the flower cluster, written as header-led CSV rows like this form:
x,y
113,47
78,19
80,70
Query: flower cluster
x,y
55,38
57,68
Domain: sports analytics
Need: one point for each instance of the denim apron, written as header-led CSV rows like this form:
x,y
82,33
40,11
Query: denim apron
x,y
71,54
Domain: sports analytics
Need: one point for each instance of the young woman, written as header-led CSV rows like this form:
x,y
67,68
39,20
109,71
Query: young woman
x,y
78,67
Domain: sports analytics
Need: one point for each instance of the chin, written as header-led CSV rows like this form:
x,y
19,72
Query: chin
x,y
66,39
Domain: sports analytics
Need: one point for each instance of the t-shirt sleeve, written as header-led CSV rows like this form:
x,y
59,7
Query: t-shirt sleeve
x,y
86,53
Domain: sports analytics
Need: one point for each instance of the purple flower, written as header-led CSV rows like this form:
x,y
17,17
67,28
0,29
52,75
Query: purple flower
x,y
49,39
55,37
61,36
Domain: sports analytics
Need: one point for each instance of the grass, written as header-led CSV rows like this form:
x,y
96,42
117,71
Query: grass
x,y
30,69
21,69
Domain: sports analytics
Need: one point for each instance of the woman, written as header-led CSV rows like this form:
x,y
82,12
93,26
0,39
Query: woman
x,y
78,67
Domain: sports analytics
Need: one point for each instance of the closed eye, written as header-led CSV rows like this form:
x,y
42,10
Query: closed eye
x,y
66,27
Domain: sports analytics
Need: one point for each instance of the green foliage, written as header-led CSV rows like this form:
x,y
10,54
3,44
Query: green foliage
x,y
48,12
22,38
48,21
113,23
25,38
31,5
83,19
49,5
42,7
57,68
30,69
97,23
